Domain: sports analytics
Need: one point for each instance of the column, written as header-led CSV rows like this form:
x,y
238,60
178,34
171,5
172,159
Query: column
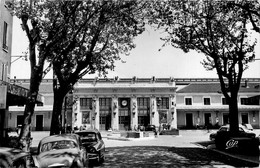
x,y
114,114
96,114
154,112
134,113
173,112
76,122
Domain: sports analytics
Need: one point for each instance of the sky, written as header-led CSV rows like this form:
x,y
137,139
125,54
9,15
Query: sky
x,y
144,61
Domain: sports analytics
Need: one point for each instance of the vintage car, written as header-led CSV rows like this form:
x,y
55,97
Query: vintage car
x,y
244,132
150,128
63,150
14,158
95,146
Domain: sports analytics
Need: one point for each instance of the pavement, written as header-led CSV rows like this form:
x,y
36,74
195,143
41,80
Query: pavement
x,y
185,139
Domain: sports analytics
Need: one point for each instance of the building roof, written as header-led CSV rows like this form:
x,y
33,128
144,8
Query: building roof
x,y
215,88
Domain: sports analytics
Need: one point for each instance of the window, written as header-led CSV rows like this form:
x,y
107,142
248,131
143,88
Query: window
x,y
5,47
86,117
105,103
224,101
143,102
86,103
162,102
188,101
207,101
244,101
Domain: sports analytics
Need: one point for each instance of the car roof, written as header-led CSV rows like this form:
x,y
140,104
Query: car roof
x,y
59,137
227,126
88,131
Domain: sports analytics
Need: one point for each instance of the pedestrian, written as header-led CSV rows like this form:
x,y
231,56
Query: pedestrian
x,y
156,132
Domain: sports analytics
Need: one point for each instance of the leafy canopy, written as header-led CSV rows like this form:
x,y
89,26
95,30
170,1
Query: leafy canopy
x,y
209,27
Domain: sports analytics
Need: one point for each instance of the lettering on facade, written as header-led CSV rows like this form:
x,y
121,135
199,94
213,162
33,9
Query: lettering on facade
x,y
114,90
231,144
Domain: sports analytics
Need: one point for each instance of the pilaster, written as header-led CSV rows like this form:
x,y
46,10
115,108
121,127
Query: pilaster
x,y
154,112
76,122
115,121
95,113
134,113
173,112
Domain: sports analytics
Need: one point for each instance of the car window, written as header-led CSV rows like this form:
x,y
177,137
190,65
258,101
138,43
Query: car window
x,y
223,129
65,144
241,129
88,137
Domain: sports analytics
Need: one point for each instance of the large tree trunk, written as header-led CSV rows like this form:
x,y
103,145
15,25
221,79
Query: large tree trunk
x,y
56,121
233,113
25,135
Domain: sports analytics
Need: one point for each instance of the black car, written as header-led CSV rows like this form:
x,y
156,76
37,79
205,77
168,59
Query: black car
x,y
94,144
15,158
244,132
150,128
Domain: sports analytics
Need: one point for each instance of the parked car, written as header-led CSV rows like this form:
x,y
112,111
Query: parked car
x,y
94,144
150,128
14,158
244,132
63,150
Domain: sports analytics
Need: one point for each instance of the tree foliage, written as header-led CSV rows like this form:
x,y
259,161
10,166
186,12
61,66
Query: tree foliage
x,y
251,9
92,42
77,38
212,28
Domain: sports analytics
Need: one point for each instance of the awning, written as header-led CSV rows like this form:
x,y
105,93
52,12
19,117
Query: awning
x,y
16,95
223,107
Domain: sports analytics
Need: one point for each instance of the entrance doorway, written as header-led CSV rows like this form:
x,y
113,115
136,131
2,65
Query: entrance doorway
x,y
39,123
19,121
143,111
105,121
105,113
124,114
207,117
189,120
244,117
225,118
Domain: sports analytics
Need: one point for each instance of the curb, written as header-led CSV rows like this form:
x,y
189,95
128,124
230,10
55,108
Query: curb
x,y
235,156
240,157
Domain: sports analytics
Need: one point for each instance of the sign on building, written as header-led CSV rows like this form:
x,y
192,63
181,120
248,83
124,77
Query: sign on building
x,y
3,91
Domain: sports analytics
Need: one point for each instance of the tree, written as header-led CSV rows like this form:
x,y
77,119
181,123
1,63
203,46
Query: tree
x,y
211,28
76,38
95,33
38,51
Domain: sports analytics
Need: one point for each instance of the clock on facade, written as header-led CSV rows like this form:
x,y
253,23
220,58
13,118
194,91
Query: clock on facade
x,y
124,103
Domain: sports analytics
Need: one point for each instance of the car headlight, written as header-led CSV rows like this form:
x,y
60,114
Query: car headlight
x,y
92,150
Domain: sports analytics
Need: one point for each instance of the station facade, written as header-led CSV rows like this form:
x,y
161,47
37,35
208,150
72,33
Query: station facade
x,y
126,103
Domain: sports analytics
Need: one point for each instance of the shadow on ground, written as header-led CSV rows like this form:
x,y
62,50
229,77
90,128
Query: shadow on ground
x,y
158,156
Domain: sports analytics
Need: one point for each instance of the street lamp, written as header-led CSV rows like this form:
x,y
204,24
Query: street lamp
x,y
19,57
